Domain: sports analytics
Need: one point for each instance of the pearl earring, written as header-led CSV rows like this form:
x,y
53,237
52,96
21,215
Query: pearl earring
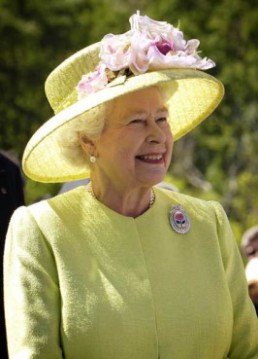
x,y
92,159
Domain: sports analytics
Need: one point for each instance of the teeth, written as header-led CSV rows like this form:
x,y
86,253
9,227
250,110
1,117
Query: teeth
x,y
152,157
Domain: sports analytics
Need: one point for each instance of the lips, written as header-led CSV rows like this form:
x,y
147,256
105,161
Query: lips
x,y
151,158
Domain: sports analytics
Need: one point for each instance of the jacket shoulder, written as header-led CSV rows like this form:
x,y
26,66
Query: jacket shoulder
x,y
205,209
184,198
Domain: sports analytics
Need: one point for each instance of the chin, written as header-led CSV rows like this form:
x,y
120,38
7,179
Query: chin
x,y
152,181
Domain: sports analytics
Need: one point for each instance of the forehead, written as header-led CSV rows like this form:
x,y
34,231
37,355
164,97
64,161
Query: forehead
x,y
143,101
251,240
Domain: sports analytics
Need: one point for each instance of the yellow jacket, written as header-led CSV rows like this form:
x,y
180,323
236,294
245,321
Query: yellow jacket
x,y
82,281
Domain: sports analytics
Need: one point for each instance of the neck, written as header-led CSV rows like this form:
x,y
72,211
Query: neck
x,y
128,202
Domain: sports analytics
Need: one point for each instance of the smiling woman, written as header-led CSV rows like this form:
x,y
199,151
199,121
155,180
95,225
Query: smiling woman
x,y
119,268
139,143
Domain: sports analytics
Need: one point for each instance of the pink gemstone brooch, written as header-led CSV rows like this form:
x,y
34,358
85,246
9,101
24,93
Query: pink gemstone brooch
x,y
179,219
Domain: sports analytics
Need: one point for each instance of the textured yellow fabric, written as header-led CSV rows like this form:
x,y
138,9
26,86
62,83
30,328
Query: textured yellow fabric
x,y
192,96
82,281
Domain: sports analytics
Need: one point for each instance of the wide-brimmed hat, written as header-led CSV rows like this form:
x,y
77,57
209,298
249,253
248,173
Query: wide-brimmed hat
x,y
152,53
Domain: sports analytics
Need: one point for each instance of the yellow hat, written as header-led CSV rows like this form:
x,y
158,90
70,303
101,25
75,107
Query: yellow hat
x,y
152,53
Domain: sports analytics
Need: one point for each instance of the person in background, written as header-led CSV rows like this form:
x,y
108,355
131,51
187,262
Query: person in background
x,y
249,243
251,271
249,247
11,197
120,268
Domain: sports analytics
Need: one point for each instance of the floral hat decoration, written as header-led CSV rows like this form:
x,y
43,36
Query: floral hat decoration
x,y
151,53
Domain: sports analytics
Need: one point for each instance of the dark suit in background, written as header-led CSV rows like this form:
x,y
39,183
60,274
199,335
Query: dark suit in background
x,y
11,197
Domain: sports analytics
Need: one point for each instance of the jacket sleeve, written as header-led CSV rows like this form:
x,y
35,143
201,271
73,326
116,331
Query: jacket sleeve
x,y
244,343
31,292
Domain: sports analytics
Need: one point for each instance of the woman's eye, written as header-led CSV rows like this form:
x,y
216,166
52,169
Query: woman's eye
x,y
137,121
162,119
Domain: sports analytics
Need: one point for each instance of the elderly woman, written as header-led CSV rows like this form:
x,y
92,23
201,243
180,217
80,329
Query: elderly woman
x,y
120,268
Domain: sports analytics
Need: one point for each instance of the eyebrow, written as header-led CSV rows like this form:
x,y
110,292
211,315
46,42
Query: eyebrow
x,y
142,113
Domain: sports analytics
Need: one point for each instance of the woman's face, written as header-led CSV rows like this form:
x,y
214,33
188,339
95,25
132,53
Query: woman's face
x,y
135,147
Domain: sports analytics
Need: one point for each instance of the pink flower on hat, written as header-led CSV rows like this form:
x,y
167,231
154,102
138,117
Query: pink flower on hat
x,y
92,82
149,46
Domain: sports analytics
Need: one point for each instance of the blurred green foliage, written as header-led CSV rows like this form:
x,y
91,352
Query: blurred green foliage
x,y
218,160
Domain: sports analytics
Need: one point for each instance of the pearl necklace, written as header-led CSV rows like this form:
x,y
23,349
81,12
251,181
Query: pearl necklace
x,y
151,201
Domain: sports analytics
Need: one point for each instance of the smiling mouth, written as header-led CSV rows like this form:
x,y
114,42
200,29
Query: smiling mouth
x,y
154,158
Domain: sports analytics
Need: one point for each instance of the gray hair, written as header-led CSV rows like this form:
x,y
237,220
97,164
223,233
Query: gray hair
x,y
89,124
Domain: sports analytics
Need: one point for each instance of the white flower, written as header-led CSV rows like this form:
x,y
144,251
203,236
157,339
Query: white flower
x,y
149,45
115,51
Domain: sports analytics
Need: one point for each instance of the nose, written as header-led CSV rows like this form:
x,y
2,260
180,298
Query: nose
x,y
155,133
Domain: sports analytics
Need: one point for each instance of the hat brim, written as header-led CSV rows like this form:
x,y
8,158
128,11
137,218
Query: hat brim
x,y
193,96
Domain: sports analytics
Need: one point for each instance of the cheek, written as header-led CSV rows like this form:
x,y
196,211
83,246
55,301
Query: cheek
x,y
169,147
170,140
126,156
118,151
129,144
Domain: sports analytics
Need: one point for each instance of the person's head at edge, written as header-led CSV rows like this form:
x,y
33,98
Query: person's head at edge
x,y
251,272
123,131
249,243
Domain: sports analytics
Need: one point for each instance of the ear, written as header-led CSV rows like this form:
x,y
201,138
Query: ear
x,y
86,144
